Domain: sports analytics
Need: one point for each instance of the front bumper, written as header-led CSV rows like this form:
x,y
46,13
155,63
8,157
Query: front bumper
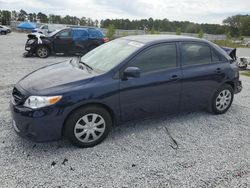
x,y
237,86
39,125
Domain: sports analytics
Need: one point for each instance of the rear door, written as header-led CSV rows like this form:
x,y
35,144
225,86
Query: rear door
x,y
158,88
81,40
203,70
63,41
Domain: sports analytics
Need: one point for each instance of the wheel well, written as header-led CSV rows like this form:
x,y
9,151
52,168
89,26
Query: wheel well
x,y
45,45
231,84
108,109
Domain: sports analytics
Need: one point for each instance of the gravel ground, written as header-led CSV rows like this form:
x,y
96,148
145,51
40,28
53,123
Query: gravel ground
x,y
213,151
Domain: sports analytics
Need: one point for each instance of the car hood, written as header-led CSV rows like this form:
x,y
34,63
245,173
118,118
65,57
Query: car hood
x,y
56,78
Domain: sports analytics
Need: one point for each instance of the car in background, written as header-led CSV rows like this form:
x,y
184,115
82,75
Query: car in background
x,y
130,78
46,29
4,30
67,41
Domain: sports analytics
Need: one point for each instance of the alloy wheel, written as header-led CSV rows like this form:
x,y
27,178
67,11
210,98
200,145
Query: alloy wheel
x,y
42,52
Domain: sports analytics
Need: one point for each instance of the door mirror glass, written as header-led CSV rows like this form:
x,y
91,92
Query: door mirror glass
x,y
132,72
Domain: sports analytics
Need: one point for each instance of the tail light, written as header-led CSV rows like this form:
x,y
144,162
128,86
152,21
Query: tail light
x,y
105,39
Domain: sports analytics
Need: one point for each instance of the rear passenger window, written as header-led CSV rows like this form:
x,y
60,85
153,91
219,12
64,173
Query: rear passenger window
x,y
215,56
156,58
193,54
64,34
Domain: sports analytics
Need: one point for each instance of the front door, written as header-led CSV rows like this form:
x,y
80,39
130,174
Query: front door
x,y
158,88
63,42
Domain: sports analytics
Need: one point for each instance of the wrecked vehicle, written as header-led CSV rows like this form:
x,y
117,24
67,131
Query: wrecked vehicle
x,y
242,62
69,41
129,78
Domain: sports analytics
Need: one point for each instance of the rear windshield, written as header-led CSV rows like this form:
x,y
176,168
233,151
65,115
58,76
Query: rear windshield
x,y
110,54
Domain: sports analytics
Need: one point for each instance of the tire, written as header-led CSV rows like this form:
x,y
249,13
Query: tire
x,y
86,123
42,51
222,99
3,32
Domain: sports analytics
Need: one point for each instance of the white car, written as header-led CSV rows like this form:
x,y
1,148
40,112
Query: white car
x,y
48,28
4,30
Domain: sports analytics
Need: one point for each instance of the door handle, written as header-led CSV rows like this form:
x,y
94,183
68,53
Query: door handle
x,y
218,71
174,77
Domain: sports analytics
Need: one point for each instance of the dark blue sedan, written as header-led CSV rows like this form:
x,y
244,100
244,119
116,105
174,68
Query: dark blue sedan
x,y
129,78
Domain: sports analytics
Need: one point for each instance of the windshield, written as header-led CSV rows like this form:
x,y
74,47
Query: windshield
x,y
53,33
110,54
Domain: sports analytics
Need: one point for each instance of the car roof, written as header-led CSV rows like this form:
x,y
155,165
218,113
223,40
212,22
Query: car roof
x,y
160,38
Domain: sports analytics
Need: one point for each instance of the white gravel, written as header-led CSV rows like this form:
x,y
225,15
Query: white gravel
x,y
213,151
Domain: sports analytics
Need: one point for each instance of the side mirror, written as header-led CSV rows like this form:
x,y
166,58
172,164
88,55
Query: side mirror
x,y
132,72
58,37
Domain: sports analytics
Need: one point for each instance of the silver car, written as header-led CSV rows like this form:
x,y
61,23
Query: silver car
x,y
4,30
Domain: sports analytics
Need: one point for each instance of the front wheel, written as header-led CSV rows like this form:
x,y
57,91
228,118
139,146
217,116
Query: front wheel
x,y
42,51
3,32
222,99
88,126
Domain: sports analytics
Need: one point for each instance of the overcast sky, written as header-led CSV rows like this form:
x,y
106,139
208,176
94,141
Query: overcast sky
x,y
201,11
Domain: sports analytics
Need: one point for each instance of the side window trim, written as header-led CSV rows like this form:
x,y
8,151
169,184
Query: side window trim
x,y
150,47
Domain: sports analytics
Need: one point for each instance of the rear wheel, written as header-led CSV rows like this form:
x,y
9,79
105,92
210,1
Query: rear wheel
x,y
42,51
222,99
88,126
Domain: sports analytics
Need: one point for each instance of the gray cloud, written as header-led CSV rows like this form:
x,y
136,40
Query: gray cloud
x,y
209,11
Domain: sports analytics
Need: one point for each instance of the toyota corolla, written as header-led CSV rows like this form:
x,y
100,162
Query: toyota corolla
x,y
130,78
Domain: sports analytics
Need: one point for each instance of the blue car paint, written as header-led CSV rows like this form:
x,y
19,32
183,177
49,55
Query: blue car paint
x,y
163,92
82,34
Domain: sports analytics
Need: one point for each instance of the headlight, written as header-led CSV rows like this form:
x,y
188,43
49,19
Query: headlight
x,y
35,102
31,41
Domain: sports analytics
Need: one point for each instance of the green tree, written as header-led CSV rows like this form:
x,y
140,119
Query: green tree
x,y
56,19
96,23
178,31
22,15
111,32
153,31
14,15
42,17
5,17
229,36
201,34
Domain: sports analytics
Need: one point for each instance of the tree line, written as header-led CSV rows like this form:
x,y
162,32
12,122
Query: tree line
x,y
237,25
7,16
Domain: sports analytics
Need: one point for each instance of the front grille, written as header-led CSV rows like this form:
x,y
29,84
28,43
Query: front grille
x,y
18,97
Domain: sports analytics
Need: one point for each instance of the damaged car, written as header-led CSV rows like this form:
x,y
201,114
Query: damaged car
x,y
129,78
68,41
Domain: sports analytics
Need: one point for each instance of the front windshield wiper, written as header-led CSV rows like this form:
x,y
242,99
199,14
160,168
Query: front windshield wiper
x,y
86,65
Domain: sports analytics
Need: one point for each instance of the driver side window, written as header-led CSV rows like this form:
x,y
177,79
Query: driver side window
x,y
64,34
